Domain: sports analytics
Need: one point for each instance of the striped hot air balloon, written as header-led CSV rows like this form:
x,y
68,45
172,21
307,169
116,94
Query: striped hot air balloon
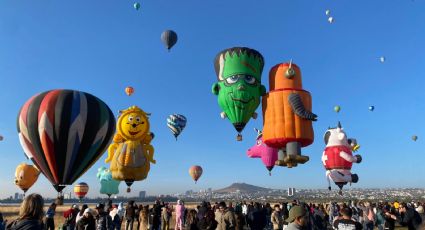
x,y
129,90
169,39
176,123
195,172
64,132
81,189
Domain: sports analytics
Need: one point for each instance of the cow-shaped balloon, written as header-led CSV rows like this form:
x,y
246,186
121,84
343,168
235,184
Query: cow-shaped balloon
x,y
338,157
267,154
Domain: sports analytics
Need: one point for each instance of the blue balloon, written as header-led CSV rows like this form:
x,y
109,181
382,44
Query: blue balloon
x,y
176,123
108,185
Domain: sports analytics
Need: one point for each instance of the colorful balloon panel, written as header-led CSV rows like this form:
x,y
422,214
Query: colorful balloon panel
x,y
129,90
64,132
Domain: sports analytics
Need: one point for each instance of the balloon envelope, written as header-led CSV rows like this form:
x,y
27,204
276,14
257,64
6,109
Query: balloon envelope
x,y
26,176
108,185
195,172
136,6
371,108
81,189
176,123
414,137
129,90
1,137
337,108
64,132
169,38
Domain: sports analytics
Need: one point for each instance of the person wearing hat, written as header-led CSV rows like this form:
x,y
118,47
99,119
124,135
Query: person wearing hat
x,y
103,219
87,222
70,217
345,221
297,218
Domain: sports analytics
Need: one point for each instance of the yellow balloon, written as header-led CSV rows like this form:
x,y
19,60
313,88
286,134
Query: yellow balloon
x,y
26,176
131,153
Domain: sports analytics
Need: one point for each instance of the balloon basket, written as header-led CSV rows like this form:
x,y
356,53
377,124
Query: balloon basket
x,y
128,189
239,137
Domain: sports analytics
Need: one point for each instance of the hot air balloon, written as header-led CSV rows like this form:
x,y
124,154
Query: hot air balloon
x,y
1,137
382,59
239,88
267,154
337,108
287,115
338,158
327,12
129,90
195,172
26,176
331,20
81,189
64,132
131,153
108,185
414,137
176,123
169,38
136,6
371,108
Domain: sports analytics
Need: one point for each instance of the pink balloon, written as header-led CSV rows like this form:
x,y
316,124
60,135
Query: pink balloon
x,y
267,154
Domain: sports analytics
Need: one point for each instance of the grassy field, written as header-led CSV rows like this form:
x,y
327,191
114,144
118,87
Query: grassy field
x,y
11,212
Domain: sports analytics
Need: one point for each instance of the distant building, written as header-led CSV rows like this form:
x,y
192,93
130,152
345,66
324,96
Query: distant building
x,y
291,191
67,195
16,196
142,194
189,192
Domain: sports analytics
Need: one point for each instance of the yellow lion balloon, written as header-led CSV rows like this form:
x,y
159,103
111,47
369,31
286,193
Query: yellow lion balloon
x,y
131,153
26,176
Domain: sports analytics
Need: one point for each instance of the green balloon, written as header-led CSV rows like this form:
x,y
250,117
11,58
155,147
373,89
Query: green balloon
x,y
337,108
136,6
239,87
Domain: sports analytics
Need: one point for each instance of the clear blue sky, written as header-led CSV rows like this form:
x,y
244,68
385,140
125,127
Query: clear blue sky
x,y
101,47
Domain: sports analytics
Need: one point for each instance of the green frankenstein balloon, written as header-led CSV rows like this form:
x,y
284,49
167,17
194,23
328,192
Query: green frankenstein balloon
x,y
239,86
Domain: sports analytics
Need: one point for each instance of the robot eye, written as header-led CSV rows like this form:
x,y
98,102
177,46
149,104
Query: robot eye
x,y
138,119
130,118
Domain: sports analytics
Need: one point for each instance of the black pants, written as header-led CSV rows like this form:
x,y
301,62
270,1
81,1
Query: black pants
x,y
50,224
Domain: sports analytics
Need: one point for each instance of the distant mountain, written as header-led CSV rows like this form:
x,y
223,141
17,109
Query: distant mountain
x,y
243,188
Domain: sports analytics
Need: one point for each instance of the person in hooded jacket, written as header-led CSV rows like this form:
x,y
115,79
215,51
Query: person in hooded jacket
x,y
30,214
180,209
87,222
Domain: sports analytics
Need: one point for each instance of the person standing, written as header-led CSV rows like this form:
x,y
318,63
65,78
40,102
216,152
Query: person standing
x,y
409,217
87,222
165,218
70,217
179,215
276,218
30,214
50,215
103,220
345,222
225,218
297,218
129,215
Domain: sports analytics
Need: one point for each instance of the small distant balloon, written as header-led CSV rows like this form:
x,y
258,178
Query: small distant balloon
x,y
328,12
414,137
371,108
176,123
169,38
129,90
337,108
382,59
331,20
1,137
136,6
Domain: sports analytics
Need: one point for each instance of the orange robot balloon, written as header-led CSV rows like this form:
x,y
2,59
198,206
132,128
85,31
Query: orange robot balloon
x,y
287,116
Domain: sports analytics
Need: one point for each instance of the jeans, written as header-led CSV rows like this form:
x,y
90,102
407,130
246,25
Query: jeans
x,y
50,224
129,224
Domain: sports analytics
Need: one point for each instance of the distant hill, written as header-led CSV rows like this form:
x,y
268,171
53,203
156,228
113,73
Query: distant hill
x,y
243,188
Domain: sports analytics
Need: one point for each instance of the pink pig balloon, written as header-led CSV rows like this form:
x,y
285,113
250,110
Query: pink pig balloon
x,y
267,154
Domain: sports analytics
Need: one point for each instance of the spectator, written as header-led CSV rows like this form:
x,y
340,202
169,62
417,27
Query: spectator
x,y
345,222
116,219
80,213
87,222
208,222
224,217
129,214
50,215
297,218
192,220
165,218
70,217
276,218
144,218
30,214
103,220
179,215
409,217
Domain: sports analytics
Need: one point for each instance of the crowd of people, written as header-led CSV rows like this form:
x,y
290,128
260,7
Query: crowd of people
x,y
221,216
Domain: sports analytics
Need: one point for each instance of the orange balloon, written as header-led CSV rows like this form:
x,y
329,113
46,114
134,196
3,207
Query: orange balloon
x,y
129,90
26,176
195,172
